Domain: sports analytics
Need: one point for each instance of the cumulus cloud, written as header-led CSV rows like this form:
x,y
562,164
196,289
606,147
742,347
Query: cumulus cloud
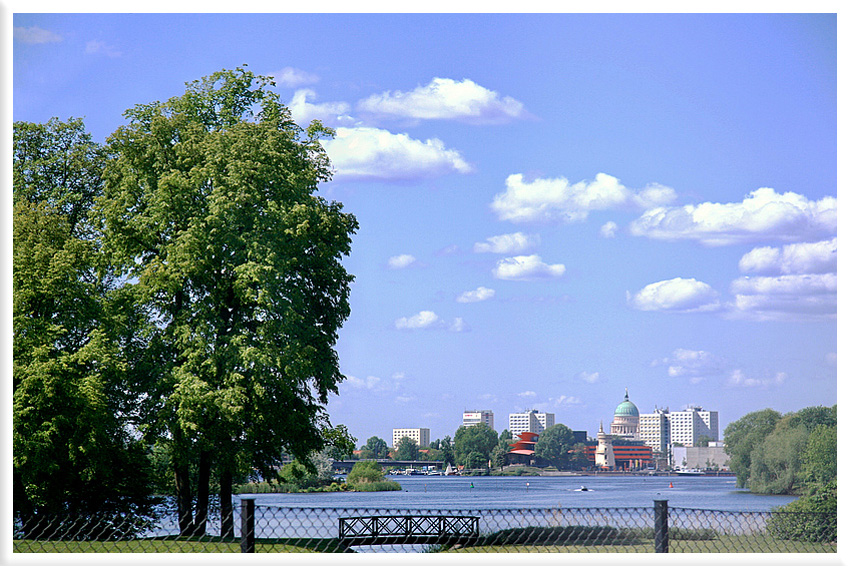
x,y
363,153
798,258
527,394
556,200
430,320
763,214
292,77
507,243
330,113
608,230
401,261
527,268
675,295
738,379
445,99
35,35
476,295
786,297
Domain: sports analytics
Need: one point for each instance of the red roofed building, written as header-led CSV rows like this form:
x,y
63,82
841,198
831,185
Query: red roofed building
x,y
522,451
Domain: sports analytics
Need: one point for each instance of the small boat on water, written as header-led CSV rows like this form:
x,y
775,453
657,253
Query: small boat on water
x,y
690,472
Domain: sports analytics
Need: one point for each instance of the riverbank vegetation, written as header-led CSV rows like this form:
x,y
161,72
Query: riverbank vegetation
x,y
794,454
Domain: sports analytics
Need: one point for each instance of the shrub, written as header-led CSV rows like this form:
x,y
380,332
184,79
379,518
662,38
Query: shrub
x,y
811,519
365,471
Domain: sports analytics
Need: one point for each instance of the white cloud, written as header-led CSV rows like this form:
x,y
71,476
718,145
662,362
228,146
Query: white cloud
x,y
507,243
564,400
330,113
34,35
292,77
799,258
786,297
588,376
763,214
374,154
100,48
423,319
527,268
738,379
608,230
405,398
429,319
527,394
543,200
370,382
675,295
445,99
474,296
401,261
691,363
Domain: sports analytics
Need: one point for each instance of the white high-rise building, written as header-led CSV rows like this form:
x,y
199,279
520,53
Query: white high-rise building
x,y
530,421
654,430
688,426
471,418
421,436
662,428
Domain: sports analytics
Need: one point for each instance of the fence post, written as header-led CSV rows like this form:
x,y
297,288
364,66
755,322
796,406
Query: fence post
x,y
661,535
247,544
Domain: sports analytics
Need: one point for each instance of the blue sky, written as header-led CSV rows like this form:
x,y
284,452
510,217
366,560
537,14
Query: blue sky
x,y
552,208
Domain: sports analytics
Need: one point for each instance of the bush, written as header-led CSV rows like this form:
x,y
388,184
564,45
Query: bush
x,y
377,486
365,471
811,518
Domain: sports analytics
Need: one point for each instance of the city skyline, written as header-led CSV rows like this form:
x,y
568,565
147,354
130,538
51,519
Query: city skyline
x,y
552,207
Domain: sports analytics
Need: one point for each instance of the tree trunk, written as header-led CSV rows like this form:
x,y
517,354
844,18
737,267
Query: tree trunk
x,y
184,498
226,495
202,510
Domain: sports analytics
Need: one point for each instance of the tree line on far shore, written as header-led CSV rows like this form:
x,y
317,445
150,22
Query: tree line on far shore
x,y
479,446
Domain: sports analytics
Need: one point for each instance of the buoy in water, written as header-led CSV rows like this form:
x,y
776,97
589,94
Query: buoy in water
x,y
671,484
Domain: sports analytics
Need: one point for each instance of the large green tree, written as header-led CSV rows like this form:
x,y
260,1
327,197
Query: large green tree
x,y
478,438
741,437
73,409
555,444
407,450
377,447
210,209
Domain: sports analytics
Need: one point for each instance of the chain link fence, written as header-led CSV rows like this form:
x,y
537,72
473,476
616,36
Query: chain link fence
x,y
283,529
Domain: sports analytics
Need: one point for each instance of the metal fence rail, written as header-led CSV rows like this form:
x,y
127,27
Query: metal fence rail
x,y
264,528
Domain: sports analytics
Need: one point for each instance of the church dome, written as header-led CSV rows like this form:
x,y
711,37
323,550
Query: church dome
x,y
626,408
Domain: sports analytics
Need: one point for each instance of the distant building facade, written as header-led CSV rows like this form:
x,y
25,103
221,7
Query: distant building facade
x,y
689,426
421,436
712,457
654,430
626,420
472,418
529,421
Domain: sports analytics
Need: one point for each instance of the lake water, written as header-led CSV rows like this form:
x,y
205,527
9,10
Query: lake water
x,y
492,492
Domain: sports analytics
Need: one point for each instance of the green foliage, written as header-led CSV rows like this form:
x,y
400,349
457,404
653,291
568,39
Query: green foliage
x,y
820,460
365,471
478,438
555,444
73,408
741,438
377,447
340,443
811,519
499,456
384,485
775,463
209,212
448,450
407,450
474,460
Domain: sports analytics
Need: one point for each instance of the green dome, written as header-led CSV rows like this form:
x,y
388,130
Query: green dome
x,y
627,408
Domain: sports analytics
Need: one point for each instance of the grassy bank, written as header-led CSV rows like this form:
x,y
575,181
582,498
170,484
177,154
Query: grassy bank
x,y
177,545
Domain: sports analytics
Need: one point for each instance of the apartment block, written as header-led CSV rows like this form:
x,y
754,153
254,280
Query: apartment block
x,y
529,421
421,436
471,418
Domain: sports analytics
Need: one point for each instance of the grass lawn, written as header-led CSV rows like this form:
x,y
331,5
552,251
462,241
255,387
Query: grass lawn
x,y
174,545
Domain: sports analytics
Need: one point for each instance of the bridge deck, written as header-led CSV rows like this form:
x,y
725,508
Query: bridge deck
x,y
407,529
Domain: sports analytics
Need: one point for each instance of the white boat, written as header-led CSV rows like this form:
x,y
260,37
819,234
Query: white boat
x,y
450,471
690,472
